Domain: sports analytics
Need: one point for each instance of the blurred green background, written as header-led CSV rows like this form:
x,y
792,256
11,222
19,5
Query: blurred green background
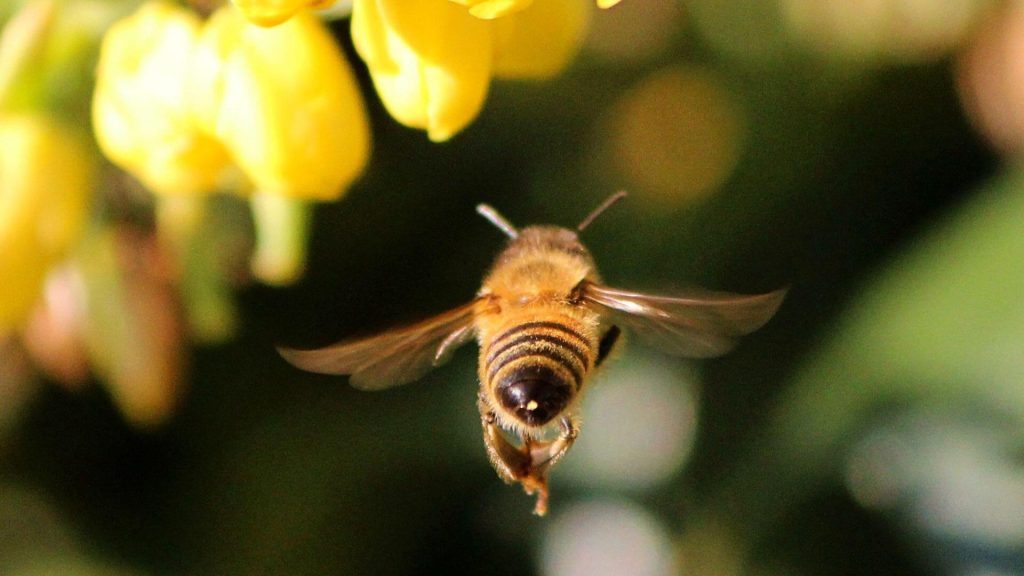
x,y
861,153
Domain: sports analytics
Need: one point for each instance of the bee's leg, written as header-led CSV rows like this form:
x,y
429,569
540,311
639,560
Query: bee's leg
x,y
510,462
537,483
607,343
545,455
549,454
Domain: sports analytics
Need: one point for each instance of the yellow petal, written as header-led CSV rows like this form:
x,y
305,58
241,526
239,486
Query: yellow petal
x,y
542,40
23,43
430,61
269,12
45,187
274,12
284,102
139,113
490,9
607,3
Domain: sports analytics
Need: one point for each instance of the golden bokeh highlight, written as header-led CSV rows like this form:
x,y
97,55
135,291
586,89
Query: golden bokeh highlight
x,y
676,136
900,30
773,32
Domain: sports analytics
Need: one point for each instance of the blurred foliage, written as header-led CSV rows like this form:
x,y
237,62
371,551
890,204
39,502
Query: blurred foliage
x,y
862,153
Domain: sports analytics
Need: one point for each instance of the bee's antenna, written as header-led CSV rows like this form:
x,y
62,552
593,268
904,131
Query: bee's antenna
x,y
498,220
600,209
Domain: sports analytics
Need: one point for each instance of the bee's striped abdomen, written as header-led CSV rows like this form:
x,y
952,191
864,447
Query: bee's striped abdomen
x,y
536,367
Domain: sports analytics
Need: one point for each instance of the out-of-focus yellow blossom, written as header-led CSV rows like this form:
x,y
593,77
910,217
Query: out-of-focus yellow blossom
x,y
273,12
432,61
607,3
140,113
539,42
45,183
285,104
188,107
283,101
22,42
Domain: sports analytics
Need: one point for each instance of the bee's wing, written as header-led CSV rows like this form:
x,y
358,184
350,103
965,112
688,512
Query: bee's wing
x,y
394,357
697,325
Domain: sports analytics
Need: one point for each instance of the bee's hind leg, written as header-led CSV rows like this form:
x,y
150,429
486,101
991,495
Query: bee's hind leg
x,y
512,463
545,455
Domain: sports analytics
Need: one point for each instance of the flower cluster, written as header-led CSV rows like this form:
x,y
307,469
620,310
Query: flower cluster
x,y
435,76
236,106
190,107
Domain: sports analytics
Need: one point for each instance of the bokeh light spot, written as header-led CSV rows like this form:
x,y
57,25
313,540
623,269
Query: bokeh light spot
x,y
640,426
951,476
990,77
676,135
606,539
900,30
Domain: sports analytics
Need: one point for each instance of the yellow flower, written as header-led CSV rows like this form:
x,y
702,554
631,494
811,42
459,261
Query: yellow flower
x,y
283,101
274,12
140,116
45,183
607,3
182,104
432,61
285,104
539,42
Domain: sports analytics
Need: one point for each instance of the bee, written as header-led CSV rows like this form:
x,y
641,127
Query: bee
x,y
544,321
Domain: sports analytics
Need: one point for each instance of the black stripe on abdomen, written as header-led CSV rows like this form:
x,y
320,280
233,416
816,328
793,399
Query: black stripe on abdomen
x,y
534,339
532,353
538,326
545,343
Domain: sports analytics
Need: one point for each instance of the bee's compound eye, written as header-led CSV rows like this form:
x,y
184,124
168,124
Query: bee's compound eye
x,y
534,398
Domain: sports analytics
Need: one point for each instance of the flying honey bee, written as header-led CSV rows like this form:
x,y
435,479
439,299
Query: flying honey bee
x,y
544,322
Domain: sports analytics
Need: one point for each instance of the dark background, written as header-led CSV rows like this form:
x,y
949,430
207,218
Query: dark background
x,y
844,166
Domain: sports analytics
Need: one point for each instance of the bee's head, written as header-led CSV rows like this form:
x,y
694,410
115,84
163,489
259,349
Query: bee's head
x,y
534,394
554,238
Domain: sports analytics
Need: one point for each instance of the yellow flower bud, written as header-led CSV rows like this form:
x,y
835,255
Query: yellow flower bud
x,y
541,41
140,116
490,9
283,101
429,59
45,182
274,12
